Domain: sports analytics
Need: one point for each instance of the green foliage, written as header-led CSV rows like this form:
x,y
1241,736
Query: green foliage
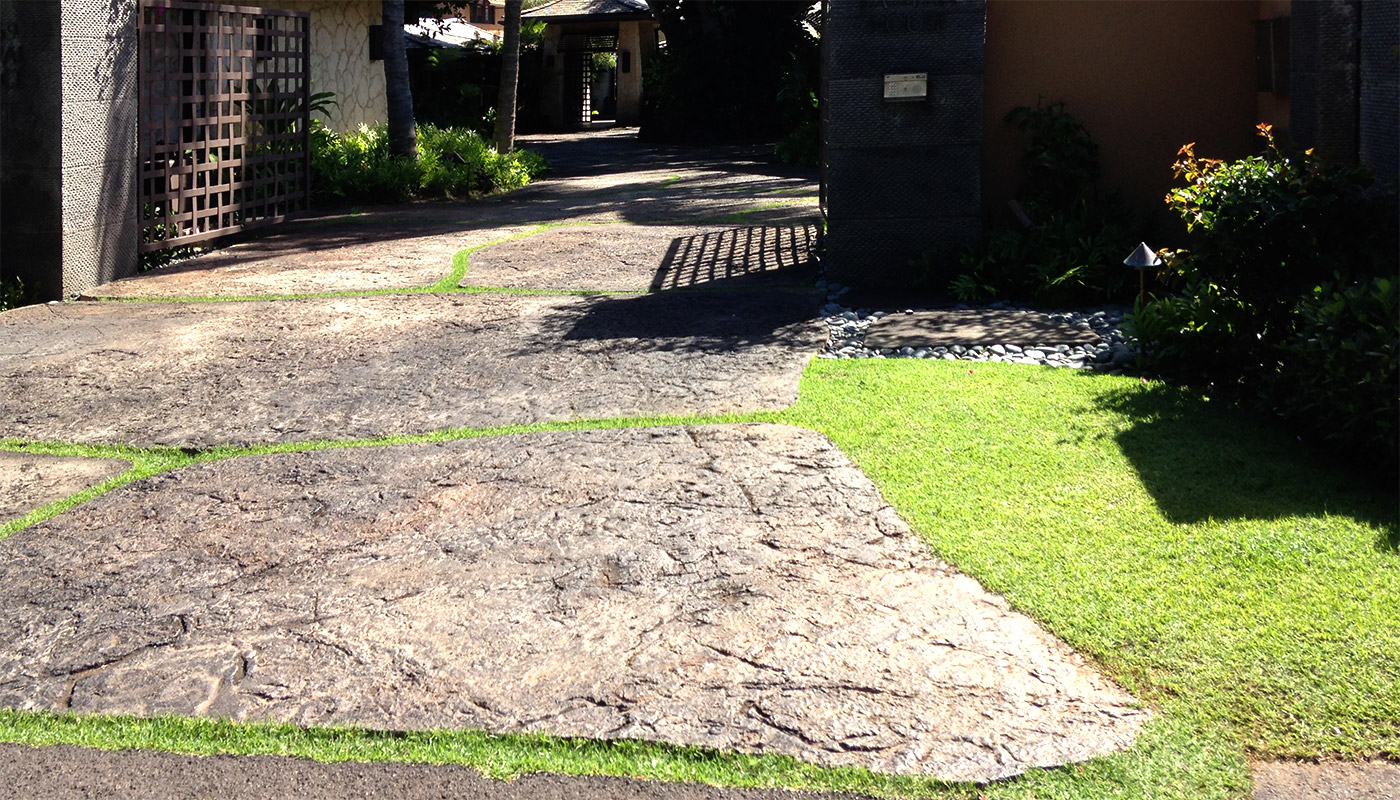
x,y
1339,368
13,293
1286,300
721,69
799,101
1069,248
453,162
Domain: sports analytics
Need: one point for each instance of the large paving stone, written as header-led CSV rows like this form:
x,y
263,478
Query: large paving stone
x,y
650,258
739,587
353,253
28,480
973,327
200,374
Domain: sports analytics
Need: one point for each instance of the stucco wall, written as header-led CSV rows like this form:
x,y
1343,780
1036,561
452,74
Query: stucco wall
x,y
1145,77
340,60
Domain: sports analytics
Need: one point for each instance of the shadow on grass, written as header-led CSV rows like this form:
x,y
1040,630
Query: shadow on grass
x,y
1201,460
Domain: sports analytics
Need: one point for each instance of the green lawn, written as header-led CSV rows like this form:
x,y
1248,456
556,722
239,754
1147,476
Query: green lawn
x,y
1245,590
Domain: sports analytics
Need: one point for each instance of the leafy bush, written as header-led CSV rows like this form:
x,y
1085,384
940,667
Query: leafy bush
x,y
1069,248
453,162
13,294
1287,300
1341,365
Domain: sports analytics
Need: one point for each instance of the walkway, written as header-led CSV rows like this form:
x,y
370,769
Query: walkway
x,y
742,587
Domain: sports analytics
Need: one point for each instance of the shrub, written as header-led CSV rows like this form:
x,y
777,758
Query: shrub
x,y
1287,299
1070,247
1340,369
453,162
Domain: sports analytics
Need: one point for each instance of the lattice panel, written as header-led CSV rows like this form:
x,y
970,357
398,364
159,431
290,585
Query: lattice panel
x,y
225,119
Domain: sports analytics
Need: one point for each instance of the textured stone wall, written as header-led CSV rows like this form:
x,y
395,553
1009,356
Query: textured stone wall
x,y
1380,87
68,143
900,178
1326,76
340,60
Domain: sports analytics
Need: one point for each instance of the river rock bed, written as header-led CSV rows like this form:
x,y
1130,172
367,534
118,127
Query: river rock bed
x,y
1114,352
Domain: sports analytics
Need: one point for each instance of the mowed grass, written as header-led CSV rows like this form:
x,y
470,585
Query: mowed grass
x,y
1215,566
1245,590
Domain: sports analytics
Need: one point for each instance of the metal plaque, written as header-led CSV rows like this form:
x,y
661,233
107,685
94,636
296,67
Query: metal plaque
x,y
906,86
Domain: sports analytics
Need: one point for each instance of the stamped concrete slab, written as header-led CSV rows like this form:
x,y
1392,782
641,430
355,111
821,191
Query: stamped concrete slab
x,y
643,258
973,327
738,587
1329,780
336,255
64,772
200,374
30,480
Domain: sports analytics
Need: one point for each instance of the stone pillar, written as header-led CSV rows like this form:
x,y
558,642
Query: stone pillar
x,y
68,163
1325,76
552,79
629,82
900,177
1380,88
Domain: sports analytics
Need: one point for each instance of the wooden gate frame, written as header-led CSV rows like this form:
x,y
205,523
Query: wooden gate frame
x,y
224,131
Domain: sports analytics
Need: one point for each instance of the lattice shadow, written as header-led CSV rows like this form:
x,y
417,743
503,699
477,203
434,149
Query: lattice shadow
x,y
764,255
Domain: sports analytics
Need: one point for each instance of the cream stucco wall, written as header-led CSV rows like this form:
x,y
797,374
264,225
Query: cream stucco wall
x,y
340,60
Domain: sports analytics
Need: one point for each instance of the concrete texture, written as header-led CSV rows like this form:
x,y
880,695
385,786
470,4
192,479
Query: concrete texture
x,y
28,481
972,327
737,587
651,258
74,773
1328,780
201,374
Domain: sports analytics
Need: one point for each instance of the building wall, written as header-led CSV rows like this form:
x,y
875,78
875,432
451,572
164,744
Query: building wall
x,y
1380,88
1144,77
68,208
638,39
340,59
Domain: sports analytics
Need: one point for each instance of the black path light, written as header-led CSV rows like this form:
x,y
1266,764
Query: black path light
x,y
1142,259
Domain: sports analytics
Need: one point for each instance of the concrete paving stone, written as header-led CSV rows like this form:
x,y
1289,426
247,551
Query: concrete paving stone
x,y
1327,780
651,258
352,253
201,374
64,772
972,327
741,587
29,481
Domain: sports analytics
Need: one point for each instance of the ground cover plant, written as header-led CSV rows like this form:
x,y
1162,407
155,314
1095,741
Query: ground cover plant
x,y
453,162
1063,242
1244,590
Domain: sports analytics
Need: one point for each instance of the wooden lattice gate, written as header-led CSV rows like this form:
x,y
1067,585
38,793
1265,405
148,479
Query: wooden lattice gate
x,y
225,119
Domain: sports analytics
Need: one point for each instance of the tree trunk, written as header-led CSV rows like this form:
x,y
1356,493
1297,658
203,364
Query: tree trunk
x,y
510,74
403,138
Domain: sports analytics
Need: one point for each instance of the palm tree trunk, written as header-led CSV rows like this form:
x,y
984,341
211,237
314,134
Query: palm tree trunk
x,y
403,138
510,75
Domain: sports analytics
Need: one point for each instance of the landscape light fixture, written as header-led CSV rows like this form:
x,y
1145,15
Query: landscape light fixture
x,y
1142,259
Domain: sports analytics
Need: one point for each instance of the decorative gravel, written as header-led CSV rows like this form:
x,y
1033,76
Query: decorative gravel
x,y
847,329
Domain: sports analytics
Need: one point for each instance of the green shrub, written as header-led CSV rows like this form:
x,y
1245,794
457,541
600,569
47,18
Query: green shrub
x,y
1071,250
1287,298
453,162
13,294
1341,366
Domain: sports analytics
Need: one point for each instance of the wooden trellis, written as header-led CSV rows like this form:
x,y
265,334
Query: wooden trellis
x,y
225,119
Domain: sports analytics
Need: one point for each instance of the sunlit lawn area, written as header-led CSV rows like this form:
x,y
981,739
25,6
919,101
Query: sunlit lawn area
x,y
1246,590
